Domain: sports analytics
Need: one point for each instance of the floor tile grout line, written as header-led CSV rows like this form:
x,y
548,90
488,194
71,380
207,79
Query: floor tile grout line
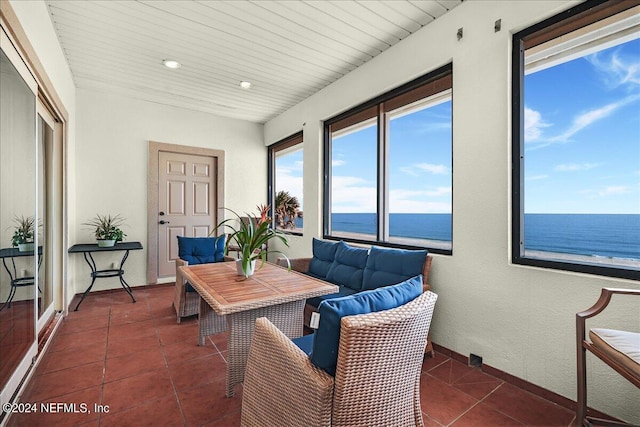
x,y
477,403
173,385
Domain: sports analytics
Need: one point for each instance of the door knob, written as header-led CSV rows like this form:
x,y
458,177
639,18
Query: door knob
x,y
163,222
161,213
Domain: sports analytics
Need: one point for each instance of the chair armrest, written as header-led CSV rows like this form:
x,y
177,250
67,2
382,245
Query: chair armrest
x,y
425,273
300,265
180,280
228,258
598,307
281,385
603,301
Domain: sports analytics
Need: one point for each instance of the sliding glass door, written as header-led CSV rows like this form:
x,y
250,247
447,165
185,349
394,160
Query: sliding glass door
x,y
19,220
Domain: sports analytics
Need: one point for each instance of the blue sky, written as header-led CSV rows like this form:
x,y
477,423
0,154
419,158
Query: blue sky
x,y
582,134
582,146
419,159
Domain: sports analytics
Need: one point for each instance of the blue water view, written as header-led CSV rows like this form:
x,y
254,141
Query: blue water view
x,y
612,235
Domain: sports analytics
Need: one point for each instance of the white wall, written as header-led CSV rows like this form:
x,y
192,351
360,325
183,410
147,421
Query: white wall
x,y
111,166
521,320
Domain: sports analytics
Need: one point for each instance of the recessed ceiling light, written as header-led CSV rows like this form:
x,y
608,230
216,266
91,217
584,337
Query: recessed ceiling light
x,y
246,85
170,63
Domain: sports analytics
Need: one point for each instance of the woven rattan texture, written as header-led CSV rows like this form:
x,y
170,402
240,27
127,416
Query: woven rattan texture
x,y
379,362
185,303
377,378
281,386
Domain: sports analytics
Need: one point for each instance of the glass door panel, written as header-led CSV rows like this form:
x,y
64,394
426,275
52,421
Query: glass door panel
x,y
18,220
45,282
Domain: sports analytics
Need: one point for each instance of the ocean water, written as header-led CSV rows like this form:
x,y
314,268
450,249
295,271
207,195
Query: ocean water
x,y
615,235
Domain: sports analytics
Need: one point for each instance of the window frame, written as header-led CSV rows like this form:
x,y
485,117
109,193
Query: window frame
x,y
426,86
577,17
284,144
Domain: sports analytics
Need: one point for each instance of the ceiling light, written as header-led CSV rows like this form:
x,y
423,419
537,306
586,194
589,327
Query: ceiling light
x,y
170,63
245,85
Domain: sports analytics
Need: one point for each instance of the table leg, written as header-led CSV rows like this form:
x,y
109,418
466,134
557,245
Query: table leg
x,y
209,323
86,292
123,282
92,265
287,317
12,291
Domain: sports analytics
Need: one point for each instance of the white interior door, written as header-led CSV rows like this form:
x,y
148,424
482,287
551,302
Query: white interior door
x,y
187,203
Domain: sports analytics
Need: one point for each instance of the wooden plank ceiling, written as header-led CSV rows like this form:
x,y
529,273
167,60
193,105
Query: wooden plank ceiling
x,y
287,49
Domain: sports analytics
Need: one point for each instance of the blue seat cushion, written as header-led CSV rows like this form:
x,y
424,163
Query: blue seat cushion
x,y
189,288
324,253
327,336
201,250
343,292
387,266
347,267
304,343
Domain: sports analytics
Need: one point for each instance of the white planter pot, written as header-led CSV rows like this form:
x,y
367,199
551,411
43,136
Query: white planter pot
x,y
106,243
251,268
25,247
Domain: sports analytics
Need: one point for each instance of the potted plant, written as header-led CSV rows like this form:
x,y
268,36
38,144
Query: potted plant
x,y
107,230
250,235
23,234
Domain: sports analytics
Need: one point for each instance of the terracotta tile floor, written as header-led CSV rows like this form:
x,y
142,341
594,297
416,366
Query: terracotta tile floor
x,y
135,360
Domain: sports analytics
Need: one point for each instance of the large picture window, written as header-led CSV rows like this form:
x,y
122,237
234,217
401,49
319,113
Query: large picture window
x,y
285,194
388,168
576,141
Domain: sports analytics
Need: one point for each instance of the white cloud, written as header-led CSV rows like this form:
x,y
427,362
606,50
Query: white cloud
x,y
351,194
415,169
420,201
534,122
533,125
574,167
337,163
614,190
585,119
287,181
616,70
536,177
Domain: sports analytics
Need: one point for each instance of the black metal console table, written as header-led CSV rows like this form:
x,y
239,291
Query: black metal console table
x,y
17,282
88,249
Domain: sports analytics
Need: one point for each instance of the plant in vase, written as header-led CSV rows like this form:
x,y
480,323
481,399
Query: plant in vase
x,y
24,233
250,235
106,229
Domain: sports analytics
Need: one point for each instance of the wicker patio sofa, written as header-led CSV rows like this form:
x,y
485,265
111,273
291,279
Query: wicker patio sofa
x,y
381,266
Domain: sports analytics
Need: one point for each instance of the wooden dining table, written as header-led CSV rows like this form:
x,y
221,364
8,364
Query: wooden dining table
x,y
231,302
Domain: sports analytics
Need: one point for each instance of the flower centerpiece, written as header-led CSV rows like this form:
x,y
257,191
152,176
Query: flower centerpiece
x,y
24,233
250,235
106,229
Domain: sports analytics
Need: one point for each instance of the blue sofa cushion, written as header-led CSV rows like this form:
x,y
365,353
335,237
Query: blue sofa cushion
x,y
348,266
387,266
327,336
201,250
343,292
324,253
304,343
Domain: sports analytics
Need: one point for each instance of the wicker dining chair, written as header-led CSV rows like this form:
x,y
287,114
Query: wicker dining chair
x,y
377,380
193,250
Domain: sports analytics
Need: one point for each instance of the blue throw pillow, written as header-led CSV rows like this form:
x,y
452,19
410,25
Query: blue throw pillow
x,y
387,266
327,336
324,253
348,266
201,250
